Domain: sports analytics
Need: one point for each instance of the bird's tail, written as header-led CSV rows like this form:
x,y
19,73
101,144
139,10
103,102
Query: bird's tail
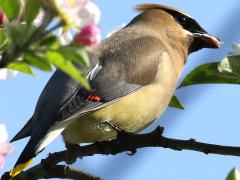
x,y
26,157
40,138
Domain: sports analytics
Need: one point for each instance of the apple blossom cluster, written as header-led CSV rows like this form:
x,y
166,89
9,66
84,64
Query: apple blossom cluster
x,y
5,147
83,16
80,24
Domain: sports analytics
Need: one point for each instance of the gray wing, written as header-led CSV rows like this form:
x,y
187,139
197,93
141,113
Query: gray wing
x,y
119,72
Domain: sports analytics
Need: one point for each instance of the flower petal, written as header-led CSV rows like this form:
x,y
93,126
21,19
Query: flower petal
x,y
6,148
224,66
65,37
7,74
3,133
2,161
79,13
236,50
89,14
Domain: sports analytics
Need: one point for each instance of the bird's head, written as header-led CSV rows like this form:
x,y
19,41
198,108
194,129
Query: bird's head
x,y
173,19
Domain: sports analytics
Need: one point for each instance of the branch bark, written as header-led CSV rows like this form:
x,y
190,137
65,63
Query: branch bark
x,y
127,142
56,171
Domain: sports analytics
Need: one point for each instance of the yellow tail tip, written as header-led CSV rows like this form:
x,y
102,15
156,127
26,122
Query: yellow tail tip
x,y
19,168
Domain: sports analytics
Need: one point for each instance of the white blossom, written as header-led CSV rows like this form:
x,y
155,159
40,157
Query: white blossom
x,y
5,147
3,133
65,37
236,50
224,66
79,13
7,74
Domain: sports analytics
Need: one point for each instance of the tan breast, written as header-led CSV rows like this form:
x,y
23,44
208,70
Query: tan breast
x,y
131,113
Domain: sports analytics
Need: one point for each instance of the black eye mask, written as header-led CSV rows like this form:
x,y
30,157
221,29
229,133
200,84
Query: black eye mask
x,y
187,22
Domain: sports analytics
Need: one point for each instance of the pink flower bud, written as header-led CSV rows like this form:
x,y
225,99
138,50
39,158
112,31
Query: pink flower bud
x,y
89,35
2,162
2,19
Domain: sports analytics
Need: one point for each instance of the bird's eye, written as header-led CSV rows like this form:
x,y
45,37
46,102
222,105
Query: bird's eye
x,y
181,19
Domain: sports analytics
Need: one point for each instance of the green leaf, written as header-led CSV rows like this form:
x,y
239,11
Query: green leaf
x,y
11,8
48,40
20,66
19,33
66,66
233,175
31,10
225,72
3,39
37,60
234,62
175,103
76,54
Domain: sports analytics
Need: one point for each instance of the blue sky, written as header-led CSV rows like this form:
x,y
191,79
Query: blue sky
x,y
210,115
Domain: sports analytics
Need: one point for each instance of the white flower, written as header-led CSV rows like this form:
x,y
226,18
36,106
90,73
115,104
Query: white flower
x,y
7,74
224,66
79,13
38,20
65,37
5,147
116,29
89,14
236,50
3,133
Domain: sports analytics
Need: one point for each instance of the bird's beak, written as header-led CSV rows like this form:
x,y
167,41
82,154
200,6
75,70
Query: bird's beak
x,y
208,40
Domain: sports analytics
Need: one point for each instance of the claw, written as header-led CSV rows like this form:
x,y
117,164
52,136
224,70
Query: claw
x,y
71,148
132,152
122,135
114,127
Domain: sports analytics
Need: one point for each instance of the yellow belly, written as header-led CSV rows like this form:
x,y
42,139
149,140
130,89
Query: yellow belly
x,y
131,113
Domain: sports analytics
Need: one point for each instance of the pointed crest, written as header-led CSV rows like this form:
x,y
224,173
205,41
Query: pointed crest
x,y
145,7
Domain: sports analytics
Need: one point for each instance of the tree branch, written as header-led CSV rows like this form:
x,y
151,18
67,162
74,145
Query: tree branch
x,y
57,171
130,142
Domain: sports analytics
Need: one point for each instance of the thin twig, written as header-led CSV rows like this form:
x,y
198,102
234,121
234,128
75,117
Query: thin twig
x,y
40,32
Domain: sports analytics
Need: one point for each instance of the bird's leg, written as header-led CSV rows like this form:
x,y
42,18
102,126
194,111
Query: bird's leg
x,y
70,149
122,135
116,128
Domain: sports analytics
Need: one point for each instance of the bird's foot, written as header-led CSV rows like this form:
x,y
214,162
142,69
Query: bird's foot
x,y
119,130
122,136
70,149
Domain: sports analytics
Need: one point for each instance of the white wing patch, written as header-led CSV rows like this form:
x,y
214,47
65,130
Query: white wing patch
x,y
94,71
52,133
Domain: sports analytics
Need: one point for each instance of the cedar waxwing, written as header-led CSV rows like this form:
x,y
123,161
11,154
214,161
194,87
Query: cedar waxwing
x,y
133,77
